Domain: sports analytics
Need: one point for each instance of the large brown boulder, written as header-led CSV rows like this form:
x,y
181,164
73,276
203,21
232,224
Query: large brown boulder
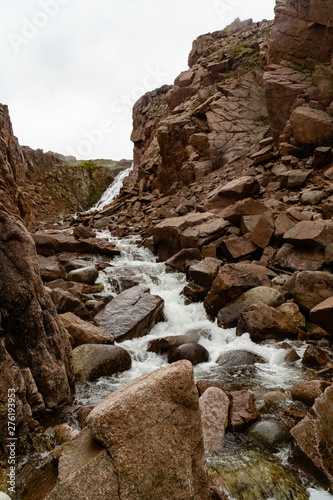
x,y
84,332
233,280
308,392
92,361
322,314
243,410
310,234
309,288
313,435
264,322
243,187
35,336
311,126
152,430
132,313
299,258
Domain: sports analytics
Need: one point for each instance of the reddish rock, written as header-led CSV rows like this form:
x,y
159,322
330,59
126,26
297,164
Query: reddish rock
x,y
243,187
312,126
300,259
203,273
195,292
248,223
65,302
165,343
82,231
310,288
184,258
50,269
165,404
322,314
308,392
214,407
233,280
314,356
263,322
310,234
235,212
238,248
294,178
132,313
263,232
84,332
243,410
203,385
193,352
322,156
83,413
313,435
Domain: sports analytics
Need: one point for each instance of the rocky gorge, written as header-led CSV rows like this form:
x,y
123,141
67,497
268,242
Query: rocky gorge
x,y
176,342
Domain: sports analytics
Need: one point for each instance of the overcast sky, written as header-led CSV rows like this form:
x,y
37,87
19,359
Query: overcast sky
x,y
72,69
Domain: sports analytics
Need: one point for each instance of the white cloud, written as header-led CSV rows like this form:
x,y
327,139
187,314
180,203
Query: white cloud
x,y
73,63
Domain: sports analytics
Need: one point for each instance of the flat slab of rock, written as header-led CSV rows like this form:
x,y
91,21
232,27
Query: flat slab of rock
x,y
132,313
249,206
243,410
238,248
243,187
310,234
84,332
233,280
152,429
92,361
165,343
313,435
214,406
229,315
300,259
50,269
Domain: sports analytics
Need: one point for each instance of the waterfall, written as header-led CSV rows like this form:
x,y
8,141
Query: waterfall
x,y
112,191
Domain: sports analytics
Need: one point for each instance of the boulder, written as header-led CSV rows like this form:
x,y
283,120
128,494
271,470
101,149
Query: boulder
x,y
322,156
322,314
203,385
263,232
82,231
264,322
165,404
294,178
186,257
34,398
50,269
86,275
236,248
233,280
195,353
300,259
65,302
311,197
196,293
271,433
228,316
165,343
314,357
214,407
282,224
238,189
92,361
55,241
84,332
83,413
236,358
310,288
243,410
249,206
310,234
311,126
308,392
248,223
132,313
313,435
204,272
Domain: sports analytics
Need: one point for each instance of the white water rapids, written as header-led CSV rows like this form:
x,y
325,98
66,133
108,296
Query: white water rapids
x,y
112,191
181,317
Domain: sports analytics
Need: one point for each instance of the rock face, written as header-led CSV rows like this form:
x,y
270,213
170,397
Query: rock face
x,y
133,313
160,454
313,435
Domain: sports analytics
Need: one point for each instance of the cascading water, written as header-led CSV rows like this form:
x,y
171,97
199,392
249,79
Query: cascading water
x,y
181,317
112,191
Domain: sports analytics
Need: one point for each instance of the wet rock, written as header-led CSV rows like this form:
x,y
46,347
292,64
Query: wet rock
x,y
214,407
132,313
228,316
243,187
300,259
233,280
204,272
313,435
310,234
64,433
183,259
203,385
322,314
264,322
50,269
92,361
243,410
237,358
86,275
291,356
84,332
308,392
165,343
85,469
122,279
165,404
196,293
310,288
314,357
270,433
195,353
250,475
65,302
